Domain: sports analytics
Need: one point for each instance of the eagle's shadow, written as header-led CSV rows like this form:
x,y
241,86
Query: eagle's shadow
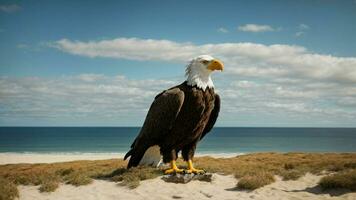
x,y
319,191
184,178
314,190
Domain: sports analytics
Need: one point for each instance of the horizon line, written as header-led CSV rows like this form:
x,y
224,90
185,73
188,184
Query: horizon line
x,y
141,126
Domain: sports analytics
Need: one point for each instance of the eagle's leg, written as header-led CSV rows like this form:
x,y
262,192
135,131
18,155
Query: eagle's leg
x,y
174,169
191,168
188,154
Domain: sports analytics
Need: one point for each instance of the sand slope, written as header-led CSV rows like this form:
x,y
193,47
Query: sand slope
x,y
222,187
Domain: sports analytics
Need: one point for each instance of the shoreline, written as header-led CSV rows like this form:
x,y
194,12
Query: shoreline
x,y
54,157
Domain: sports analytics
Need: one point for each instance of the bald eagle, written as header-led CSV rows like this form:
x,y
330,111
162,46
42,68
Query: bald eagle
x,y
180,117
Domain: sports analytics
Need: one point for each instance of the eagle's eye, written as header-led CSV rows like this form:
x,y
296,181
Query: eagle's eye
x,y
204,62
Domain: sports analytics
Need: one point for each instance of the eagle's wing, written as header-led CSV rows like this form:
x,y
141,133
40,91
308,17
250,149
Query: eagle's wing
x,y
159,120
213,117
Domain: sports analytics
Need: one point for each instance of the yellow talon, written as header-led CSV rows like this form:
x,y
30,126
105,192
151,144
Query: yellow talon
x,y
174,169
191,169
195,171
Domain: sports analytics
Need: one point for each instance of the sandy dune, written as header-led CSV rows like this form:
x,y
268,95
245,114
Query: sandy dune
x,y
222,187
15,158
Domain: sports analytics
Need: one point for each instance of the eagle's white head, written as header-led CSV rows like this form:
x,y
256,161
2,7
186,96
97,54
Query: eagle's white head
x,y
199,69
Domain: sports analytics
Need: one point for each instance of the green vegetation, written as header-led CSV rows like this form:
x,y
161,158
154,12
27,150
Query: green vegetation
x,y
252,171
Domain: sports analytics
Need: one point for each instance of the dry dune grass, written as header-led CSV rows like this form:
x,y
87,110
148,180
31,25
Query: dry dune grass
x,y
345,179
8,190
133,176
48,176
255,170
252,171
255,180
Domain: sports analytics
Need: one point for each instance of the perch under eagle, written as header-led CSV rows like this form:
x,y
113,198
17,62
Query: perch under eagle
x,y
179,118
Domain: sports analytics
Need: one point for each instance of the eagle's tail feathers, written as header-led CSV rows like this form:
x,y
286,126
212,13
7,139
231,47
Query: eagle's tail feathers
x,y
128,154
136,156
146,156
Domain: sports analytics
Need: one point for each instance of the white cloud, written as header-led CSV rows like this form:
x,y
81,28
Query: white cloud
x,y
128,48
259,72
303,27
242,59
303,104
223,30
294,107
244,84
299,33
77,97
293,93
115,99
347,101
91,77
261,83
255,28
10,8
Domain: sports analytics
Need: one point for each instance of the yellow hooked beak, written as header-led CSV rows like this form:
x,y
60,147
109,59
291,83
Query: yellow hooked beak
x,y
216,65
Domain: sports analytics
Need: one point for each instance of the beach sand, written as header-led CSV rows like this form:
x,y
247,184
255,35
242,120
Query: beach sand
x,y
15,158
222,187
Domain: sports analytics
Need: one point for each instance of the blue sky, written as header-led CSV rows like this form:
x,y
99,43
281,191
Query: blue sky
x,y
289,63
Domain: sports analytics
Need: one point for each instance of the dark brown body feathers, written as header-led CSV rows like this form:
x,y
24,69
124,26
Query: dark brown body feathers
x,y
177,119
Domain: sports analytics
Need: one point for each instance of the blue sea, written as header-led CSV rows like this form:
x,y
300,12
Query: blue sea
x,y
219,141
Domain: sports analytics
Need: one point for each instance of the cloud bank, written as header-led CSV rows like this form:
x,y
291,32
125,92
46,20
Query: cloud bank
x,y
263,85
96,99
244,59
85,97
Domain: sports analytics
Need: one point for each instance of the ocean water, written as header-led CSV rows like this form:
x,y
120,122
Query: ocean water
x,y
219,141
